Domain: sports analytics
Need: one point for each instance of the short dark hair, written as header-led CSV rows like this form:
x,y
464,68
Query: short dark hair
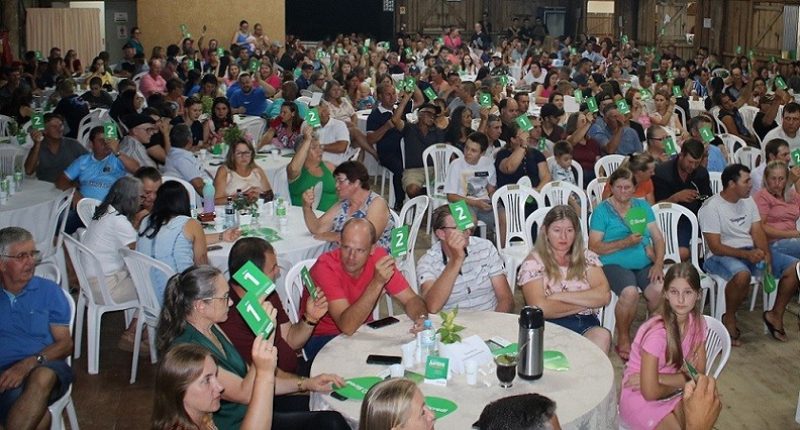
x,y
773,146
523,411
180,136
95,81
693,147
248,249
791,108
94,132
354,171
562,147
732,173
480,139
148,172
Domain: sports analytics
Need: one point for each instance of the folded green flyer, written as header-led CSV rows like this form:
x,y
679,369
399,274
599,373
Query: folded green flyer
x,y
356,388
266,233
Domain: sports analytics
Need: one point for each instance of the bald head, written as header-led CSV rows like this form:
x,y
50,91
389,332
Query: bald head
x,y
359,227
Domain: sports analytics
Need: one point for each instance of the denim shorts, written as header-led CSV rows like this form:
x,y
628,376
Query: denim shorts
x,y
727,267
64,378
578,323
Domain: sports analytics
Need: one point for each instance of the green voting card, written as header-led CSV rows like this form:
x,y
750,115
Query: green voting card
x,y
645,93
461,215
409,84
399,242
524,123
184,30
356,388
738,49
252,279
780,83
39,56
636,219
485,100
622,107
624,39
312,117
796,157
504,80
430,93
255,65
367,42
190,64
578,94
676,91
591,103
659,79
542,144
37,121
109,130
220,52
669,146
670,74
255,316
706,134
308,283
440,406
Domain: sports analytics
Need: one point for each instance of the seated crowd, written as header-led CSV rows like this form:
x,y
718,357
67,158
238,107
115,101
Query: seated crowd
x,y
571,104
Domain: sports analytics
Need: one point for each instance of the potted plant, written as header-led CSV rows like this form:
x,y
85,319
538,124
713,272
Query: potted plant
x,y
448,332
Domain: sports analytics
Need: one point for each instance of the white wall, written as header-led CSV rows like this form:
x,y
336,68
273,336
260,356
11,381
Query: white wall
x,y
598,6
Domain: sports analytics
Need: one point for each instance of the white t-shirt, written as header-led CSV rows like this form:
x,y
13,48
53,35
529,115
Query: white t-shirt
x,y
778,133
732,221
757,178
470,180
332,132
106,236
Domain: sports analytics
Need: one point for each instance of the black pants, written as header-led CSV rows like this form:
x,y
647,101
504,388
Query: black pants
x,y
394,162
320,420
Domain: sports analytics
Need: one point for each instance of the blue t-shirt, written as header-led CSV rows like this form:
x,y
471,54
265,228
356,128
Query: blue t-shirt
x,y
716,161
254,102
629,143
275,109
25,320
95,177
605,219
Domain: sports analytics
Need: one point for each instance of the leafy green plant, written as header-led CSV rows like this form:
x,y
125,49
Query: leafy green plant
x,y
232,135
449,329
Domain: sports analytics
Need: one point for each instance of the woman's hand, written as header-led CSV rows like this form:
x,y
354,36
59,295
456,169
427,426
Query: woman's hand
x,y
634,239
265,354
323,382
656,273
308,198
316,309
231,234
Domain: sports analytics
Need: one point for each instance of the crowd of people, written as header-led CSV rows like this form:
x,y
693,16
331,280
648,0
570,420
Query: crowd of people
x,y
513,105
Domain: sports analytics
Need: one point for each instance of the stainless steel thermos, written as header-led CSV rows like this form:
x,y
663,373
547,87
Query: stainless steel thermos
x,y
530,361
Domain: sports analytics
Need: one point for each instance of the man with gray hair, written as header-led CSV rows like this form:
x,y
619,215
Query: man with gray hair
x,y
34,334
181,163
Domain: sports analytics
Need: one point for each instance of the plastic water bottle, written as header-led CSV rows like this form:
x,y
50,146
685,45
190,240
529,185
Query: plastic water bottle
x,y
230,214
280,212
428,340
208,197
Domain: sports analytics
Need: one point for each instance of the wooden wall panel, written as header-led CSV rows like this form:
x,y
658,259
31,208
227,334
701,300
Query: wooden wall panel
x,y
160,20
600,24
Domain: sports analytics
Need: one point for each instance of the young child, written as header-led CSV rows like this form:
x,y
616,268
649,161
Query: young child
x,y
662,351
561,164
473,178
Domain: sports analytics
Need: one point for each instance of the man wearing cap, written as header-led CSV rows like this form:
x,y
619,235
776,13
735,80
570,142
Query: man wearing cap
x,y
304,80
550,115
611,132
416,138
248,100
137,143
496,67
126,66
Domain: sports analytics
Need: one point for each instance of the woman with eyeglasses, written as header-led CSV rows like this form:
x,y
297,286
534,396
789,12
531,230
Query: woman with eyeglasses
x,y
195,302
643,167
307,169
356,201
240,173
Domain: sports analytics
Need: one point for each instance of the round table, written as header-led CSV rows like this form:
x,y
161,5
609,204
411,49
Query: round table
x,y
585,394
31,208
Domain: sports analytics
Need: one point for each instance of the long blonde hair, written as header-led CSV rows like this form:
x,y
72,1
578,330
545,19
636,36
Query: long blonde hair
x,y
387,404
687,272
577,256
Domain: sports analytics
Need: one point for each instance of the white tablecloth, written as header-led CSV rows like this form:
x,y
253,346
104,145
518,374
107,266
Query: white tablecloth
x,y
31,208
296,243
696,107
585,394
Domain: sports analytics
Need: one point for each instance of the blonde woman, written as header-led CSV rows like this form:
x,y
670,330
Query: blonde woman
x,y
395,404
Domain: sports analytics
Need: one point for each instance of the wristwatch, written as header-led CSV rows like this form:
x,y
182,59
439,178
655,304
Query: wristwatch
x,y
41,358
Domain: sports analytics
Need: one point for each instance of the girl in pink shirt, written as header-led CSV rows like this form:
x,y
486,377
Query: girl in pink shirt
x,y
663,348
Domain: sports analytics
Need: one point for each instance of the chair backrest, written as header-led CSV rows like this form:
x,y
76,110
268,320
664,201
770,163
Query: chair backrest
x,y
609,164
535,218
732,143
441,154
281,184
193,197
714,113
682,115
48,271
415,210
559,193
353,154
525,181
748,116
511,198
85,209
4,128
606,316
88,270
252,125
718,346
140,267
594,191
138,78
294,289
667,216
11,158
72,314
716,181
55,225
749,156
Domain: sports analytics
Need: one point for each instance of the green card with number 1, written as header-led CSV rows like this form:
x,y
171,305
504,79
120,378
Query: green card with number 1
x,y
311,287
312,117
252,279
676,91
706,134
109,130
37,121
669,146
461,215
578,94
780,83
591,103
430,94
524,123
399,243
255,316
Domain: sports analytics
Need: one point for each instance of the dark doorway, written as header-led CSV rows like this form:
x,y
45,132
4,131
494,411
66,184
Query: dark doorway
x,y
322,19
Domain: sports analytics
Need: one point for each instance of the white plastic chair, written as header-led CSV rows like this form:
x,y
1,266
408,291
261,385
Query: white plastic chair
x,y
193,197
4,121
716,181
281,184
441,154
681,115
293,289
525,181
51,244
140,267
607,317
609,164
89,269
594,191
718,346
138,78
732,143
65,402
85,208
48,271
668,215
535,218
511,200
559,192
11,158
253,125
748,117
714,113
386,178
412,214
749,156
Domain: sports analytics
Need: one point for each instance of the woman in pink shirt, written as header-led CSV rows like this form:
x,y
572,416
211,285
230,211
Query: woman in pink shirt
x,y
779,208
453,39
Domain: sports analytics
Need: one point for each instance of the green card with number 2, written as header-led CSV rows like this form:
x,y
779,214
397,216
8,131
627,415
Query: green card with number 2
x,y
399,244
37,121
796,157
461,215
312,117
109,130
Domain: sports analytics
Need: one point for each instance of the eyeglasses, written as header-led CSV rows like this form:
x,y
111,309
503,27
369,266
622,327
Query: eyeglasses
x,y
223,297
35,255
